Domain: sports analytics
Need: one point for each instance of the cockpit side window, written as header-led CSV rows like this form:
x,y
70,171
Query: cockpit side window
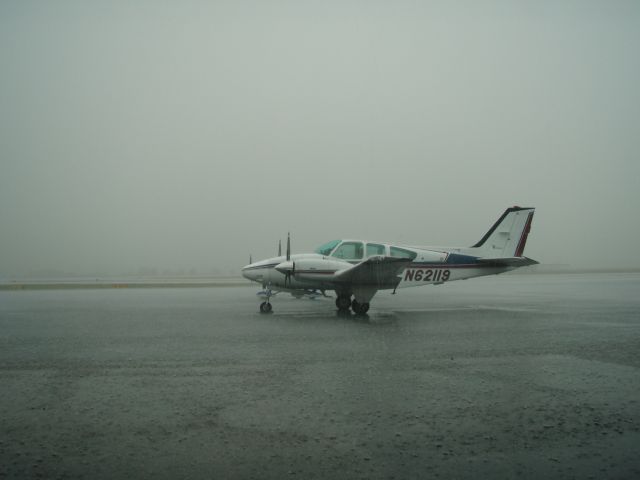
x,y
349,251
325,249
402,253
375,249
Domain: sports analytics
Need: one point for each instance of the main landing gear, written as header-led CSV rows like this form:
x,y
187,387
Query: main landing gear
x,y
344,302
359,308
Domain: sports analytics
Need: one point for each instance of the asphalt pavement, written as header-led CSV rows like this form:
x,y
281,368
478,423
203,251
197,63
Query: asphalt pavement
x,y
517,376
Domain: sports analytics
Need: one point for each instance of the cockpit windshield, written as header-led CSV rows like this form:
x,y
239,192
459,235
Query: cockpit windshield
x,y
327,248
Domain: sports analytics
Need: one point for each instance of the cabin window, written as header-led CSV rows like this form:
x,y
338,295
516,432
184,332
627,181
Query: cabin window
x,y
375,249
349,251
326,248
402,253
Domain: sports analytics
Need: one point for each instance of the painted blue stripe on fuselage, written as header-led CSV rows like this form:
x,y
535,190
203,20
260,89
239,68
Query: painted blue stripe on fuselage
x,y
447,266
454,260
458,259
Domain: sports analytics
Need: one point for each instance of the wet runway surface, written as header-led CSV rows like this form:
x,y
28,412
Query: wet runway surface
x,y
524,376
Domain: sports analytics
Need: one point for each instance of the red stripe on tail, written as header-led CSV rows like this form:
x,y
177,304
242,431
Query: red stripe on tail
x,y
525,234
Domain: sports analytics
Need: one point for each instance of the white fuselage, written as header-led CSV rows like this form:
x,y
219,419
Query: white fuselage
x,y
317,271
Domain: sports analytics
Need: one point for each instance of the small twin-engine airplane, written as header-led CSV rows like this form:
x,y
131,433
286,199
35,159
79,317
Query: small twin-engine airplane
x,y
357,269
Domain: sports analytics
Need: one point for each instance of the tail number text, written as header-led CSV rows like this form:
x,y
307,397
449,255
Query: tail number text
x,y
419,275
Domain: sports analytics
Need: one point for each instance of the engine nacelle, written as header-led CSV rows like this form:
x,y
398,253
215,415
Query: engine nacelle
x,y
312,268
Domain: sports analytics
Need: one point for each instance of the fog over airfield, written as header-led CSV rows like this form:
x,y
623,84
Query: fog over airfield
x,y
186,135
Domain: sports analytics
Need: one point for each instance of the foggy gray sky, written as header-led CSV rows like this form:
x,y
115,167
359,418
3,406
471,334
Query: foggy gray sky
x,y
190,134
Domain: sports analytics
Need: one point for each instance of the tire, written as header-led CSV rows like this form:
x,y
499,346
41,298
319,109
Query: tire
x,y
343,302
265,307
360,308
355,306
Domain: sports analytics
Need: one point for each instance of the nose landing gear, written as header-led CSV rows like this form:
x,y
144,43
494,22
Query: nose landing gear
x,y
266,294
265,307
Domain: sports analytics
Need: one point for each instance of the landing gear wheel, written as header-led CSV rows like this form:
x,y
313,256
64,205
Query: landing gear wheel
x,y
265,307
360,308
343,302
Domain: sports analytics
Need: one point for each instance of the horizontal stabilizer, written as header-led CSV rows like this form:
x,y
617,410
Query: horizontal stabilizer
x,y
508,261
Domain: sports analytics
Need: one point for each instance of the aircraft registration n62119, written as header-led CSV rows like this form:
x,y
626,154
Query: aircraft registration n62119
x,y
357,269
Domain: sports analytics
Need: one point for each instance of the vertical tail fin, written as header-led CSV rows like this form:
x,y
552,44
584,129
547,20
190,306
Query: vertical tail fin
x,y
508,236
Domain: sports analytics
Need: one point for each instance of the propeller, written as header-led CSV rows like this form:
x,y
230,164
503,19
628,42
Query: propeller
x,y
292,271
279,248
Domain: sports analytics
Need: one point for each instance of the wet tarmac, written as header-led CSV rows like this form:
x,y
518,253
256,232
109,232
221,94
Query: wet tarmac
x,y
516,376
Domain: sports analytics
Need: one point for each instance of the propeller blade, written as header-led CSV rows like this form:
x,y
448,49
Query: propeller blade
x,y
250,260
279,248
290,273
288,246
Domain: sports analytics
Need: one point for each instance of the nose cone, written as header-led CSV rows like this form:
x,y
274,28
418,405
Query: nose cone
x,y
249,273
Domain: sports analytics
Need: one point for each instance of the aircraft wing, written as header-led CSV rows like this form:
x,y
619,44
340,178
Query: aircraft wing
x,y
508,261
379,271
